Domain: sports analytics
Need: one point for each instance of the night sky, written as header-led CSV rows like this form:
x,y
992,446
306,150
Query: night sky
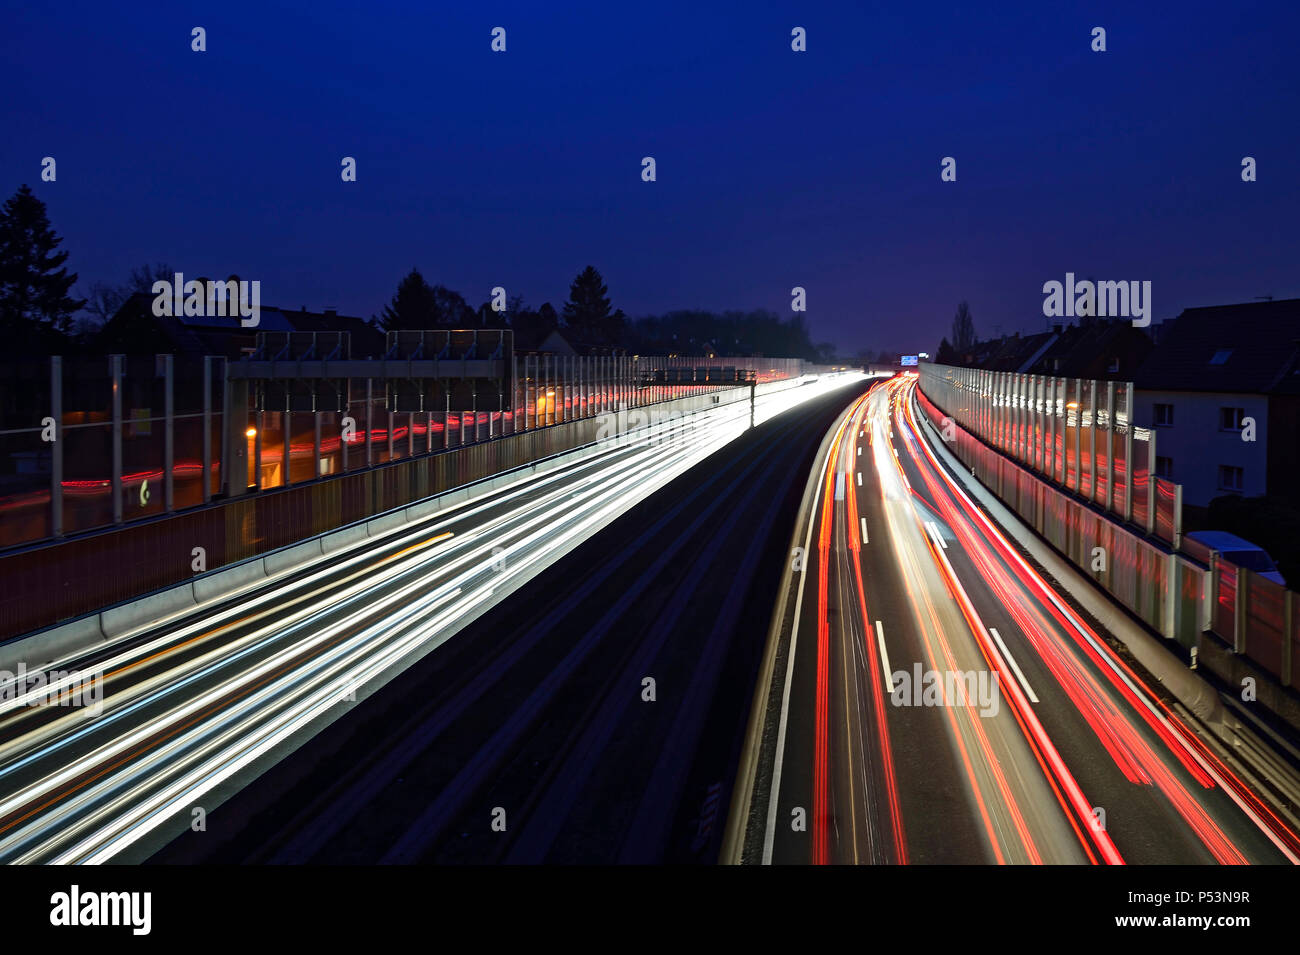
x,y
775,168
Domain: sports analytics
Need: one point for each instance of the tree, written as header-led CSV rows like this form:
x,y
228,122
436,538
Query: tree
x,y
450,310
963,328
587,311
103,300
946,355
35,307
531,325
548,319
414,307
696,332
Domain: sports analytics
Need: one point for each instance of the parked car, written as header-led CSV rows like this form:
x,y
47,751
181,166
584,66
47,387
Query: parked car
x,y
1239,551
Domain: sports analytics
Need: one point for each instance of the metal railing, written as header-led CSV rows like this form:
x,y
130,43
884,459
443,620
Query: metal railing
x,y
1076,433
1177,594
93,443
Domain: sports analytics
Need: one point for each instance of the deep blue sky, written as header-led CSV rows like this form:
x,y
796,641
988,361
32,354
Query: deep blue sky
x,y
775,168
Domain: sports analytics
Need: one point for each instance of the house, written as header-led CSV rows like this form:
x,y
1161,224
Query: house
x,y
1008,353
1222,393
1096,349
561,342
135,330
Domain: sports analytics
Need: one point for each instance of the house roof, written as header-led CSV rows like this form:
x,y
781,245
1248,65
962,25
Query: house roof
x,y
1249,348
135,329
1008,353
1086,350
558,341
1089,350
366,339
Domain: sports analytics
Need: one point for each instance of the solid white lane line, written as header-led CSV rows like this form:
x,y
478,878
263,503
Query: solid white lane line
x,y
884,657
933,528
1015,667
769,834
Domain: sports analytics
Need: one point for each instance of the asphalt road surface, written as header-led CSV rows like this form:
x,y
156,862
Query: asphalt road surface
x,y
594,716
935,700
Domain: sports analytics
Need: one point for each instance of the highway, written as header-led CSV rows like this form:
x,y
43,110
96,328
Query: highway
x,y
560,670
933,699
540,708
197,707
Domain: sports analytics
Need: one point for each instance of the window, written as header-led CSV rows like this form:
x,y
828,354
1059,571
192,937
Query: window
x,y
1113,367
1164,467
1230,418
1230,478
1221,356
1164,416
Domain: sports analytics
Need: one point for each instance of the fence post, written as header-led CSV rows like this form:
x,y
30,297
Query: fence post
x,y
1288,626
1092,439
286,425
1039,420
1171,609
1110,447
1151,481
370,421
1078,436
1178,517
169,433
1239,609
56,447
1128,452
1209,593
1063,392
207,428
115,369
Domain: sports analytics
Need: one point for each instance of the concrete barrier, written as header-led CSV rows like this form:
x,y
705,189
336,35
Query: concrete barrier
x,y
221,582
385,523
42,649
341,540
119,621
291,558
418,512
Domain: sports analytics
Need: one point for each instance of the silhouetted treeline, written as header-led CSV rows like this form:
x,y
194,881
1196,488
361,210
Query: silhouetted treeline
x,y
40,316
589,318
36,306
700,333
